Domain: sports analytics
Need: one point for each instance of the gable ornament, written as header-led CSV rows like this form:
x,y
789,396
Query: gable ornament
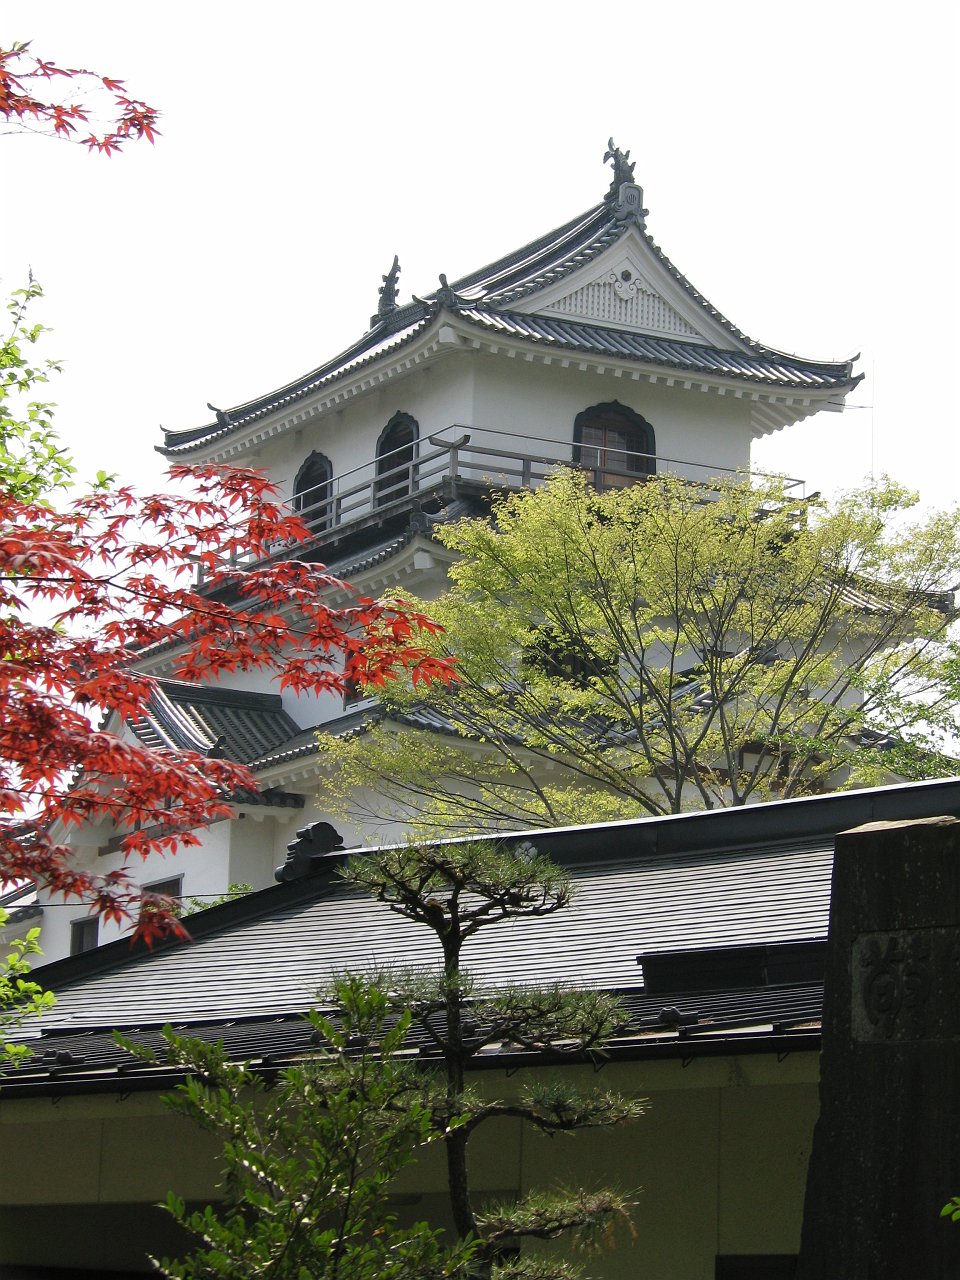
x,y
627,284
624,194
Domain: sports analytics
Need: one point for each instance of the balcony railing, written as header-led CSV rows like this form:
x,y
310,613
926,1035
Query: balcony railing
x,y
470,460
457,459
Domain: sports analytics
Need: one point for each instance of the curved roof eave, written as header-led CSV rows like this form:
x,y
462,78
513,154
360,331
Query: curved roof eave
x,y
377,342
387,335
762,367
491,291
583,338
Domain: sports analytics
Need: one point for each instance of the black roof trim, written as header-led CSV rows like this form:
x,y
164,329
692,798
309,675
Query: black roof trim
x,y
758,1020
361,352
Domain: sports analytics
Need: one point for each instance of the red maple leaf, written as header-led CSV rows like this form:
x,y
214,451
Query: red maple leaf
x,y
116,572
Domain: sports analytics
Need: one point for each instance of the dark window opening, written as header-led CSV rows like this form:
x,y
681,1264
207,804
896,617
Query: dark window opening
x,y
726,968
756,1266
84,935
170,888
615,443
354,692
159,889
396,453
313,491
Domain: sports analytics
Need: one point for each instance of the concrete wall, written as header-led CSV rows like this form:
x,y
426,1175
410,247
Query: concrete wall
x,y
718,1164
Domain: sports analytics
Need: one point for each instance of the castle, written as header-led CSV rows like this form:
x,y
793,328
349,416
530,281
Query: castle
x,y
586,347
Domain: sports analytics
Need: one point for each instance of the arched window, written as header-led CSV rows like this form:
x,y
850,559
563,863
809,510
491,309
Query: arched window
x,y
312,491
396,451
615,443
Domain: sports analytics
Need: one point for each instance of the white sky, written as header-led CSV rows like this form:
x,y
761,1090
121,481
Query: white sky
x,y
799,163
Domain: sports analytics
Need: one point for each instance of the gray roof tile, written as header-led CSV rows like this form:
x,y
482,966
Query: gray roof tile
x,y
593,339
276,963
238,724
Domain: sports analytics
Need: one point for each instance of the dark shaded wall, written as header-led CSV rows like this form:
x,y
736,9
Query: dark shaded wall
x,y
886,1152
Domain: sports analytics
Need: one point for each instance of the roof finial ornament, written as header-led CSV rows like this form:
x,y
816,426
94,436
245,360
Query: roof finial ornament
x,y
624,194
388,290
311,852
622,168
223,419
446,295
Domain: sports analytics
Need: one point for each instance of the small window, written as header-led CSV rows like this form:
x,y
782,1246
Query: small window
x,y
171,888
732,968
84,935
615,443
313,493
396,453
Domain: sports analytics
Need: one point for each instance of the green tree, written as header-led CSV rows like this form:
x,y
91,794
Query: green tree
x,y
309,1160
457,890
21,999
310,1163
32,462
664,647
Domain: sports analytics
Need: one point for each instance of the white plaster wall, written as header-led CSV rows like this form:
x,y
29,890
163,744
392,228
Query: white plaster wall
x,y
437,395
253,847
716,1166
205,870
510,396
707,432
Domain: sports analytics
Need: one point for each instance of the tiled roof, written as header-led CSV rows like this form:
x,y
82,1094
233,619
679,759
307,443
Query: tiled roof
x,y
544,261
369,348
236,724
769,368
250,728
485,297
306,742
370,557
694,883
785,1018
620,909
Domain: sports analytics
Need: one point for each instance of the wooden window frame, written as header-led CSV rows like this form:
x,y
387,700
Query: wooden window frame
x,y
641,462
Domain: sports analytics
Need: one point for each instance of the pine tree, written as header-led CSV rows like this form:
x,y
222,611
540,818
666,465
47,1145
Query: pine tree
x,y
457,889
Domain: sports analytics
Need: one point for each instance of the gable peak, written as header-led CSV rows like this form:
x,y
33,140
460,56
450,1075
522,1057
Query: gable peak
x,y
625,197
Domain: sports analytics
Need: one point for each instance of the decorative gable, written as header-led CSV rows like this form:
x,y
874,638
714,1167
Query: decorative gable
x,y
631,287
624,297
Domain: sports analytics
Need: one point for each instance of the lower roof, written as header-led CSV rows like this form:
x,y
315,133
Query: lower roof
x,y
784,1019
701,884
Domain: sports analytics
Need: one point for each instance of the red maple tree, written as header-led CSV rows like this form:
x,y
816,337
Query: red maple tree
x,y
92,589
112,575
29,100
